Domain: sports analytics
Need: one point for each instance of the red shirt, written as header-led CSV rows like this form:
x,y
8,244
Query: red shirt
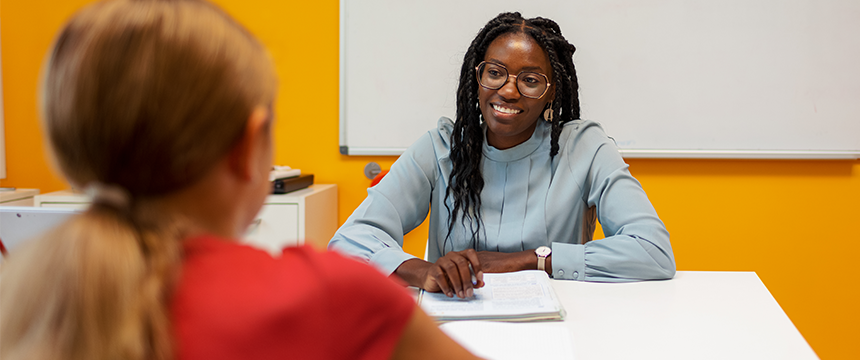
x,y
237,302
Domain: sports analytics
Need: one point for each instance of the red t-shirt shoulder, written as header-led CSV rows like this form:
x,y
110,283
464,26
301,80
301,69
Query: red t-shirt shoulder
x,y
236,302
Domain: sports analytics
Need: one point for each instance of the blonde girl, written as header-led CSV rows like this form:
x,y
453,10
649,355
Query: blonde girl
x,y
162,110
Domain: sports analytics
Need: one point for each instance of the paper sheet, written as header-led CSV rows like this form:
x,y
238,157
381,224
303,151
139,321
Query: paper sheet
x,y
517,296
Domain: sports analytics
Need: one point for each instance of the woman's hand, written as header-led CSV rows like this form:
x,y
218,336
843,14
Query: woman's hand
x,y
451,274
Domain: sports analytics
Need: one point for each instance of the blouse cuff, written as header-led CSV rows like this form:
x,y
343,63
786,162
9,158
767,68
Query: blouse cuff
x,y
388,259
568,261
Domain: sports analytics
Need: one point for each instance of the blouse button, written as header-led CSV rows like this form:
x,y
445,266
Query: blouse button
x,y
560,272
575,274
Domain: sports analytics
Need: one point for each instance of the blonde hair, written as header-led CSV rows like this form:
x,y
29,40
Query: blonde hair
x,y
144,96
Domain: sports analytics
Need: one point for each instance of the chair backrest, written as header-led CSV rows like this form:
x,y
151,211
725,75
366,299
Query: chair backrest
x,y
589,223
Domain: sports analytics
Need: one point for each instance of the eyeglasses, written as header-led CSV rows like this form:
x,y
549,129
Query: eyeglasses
x,y
494,76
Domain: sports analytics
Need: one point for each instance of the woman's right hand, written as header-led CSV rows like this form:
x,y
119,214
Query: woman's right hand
x,y
451,274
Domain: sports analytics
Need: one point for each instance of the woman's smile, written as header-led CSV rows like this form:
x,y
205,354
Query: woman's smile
x,y
505,110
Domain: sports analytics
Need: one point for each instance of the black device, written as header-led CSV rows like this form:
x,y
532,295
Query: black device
x,y
285,185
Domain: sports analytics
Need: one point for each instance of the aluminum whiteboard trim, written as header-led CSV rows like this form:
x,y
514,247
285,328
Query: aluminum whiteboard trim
x,y
375,151
739,154
677,154
342,67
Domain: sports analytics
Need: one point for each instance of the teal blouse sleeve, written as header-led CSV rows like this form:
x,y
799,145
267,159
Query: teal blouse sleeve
x,y
636,246
395,206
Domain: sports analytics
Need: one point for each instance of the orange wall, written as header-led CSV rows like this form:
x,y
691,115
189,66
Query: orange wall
x,y
792,222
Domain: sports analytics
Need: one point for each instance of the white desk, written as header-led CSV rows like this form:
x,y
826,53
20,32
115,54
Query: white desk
x,y
696,315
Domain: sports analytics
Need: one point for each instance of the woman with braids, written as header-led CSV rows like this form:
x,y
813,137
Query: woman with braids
x,y
515,183
163,110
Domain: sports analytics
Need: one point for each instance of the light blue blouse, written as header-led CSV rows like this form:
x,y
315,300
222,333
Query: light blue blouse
x,y
528,200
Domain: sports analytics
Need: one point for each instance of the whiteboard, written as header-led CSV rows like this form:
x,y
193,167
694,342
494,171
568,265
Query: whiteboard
x,y
666,78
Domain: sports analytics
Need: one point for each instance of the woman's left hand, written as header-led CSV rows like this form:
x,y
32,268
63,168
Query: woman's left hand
x,y
499,262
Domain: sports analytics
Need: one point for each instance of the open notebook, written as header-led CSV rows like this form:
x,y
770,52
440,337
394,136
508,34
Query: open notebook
x,y
517,296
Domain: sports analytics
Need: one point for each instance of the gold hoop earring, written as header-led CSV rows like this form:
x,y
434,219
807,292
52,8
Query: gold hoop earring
x,y
547,114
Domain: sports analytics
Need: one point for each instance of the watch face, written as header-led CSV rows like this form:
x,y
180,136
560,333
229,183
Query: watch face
x,y
543,251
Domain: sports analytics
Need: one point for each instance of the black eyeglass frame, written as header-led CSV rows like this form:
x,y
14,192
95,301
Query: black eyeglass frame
x,y
516,79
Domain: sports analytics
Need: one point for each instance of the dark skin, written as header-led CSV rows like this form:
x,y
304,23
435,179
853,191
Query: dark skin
x,y
511,120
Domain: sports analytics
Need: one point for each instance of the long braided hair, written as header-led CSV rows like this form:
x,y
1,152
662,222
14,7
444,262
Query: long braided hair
x,y
466,181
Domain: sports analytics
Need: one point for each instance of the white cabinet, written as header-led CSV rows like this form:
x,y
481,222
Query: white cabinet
x,y
307,215
302,216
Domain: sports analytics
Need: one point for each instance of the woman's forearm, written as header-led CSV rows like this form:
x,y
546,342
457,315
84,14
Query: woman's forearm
x,y
413,272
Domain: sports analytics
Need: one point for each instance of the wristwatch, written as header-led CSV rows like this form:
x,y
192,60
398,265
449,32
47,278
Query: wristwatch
x,y
542,253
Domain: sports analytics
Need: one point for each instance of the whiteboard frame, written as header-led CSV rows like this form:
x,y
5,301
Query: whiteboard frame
x,y
342,81
667,154
739,154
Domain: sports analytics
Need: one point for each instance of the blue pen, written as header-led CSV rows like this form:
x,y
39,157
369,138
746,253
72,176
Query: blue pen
x,y
474,279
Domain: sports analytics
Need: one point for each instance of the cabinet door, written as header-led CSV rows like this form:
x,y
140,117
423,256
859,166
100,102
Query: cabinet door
x,y
275,227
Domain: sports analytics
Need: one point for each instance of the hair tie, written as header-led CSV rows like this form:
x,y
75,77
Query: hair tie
x,y
111,195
